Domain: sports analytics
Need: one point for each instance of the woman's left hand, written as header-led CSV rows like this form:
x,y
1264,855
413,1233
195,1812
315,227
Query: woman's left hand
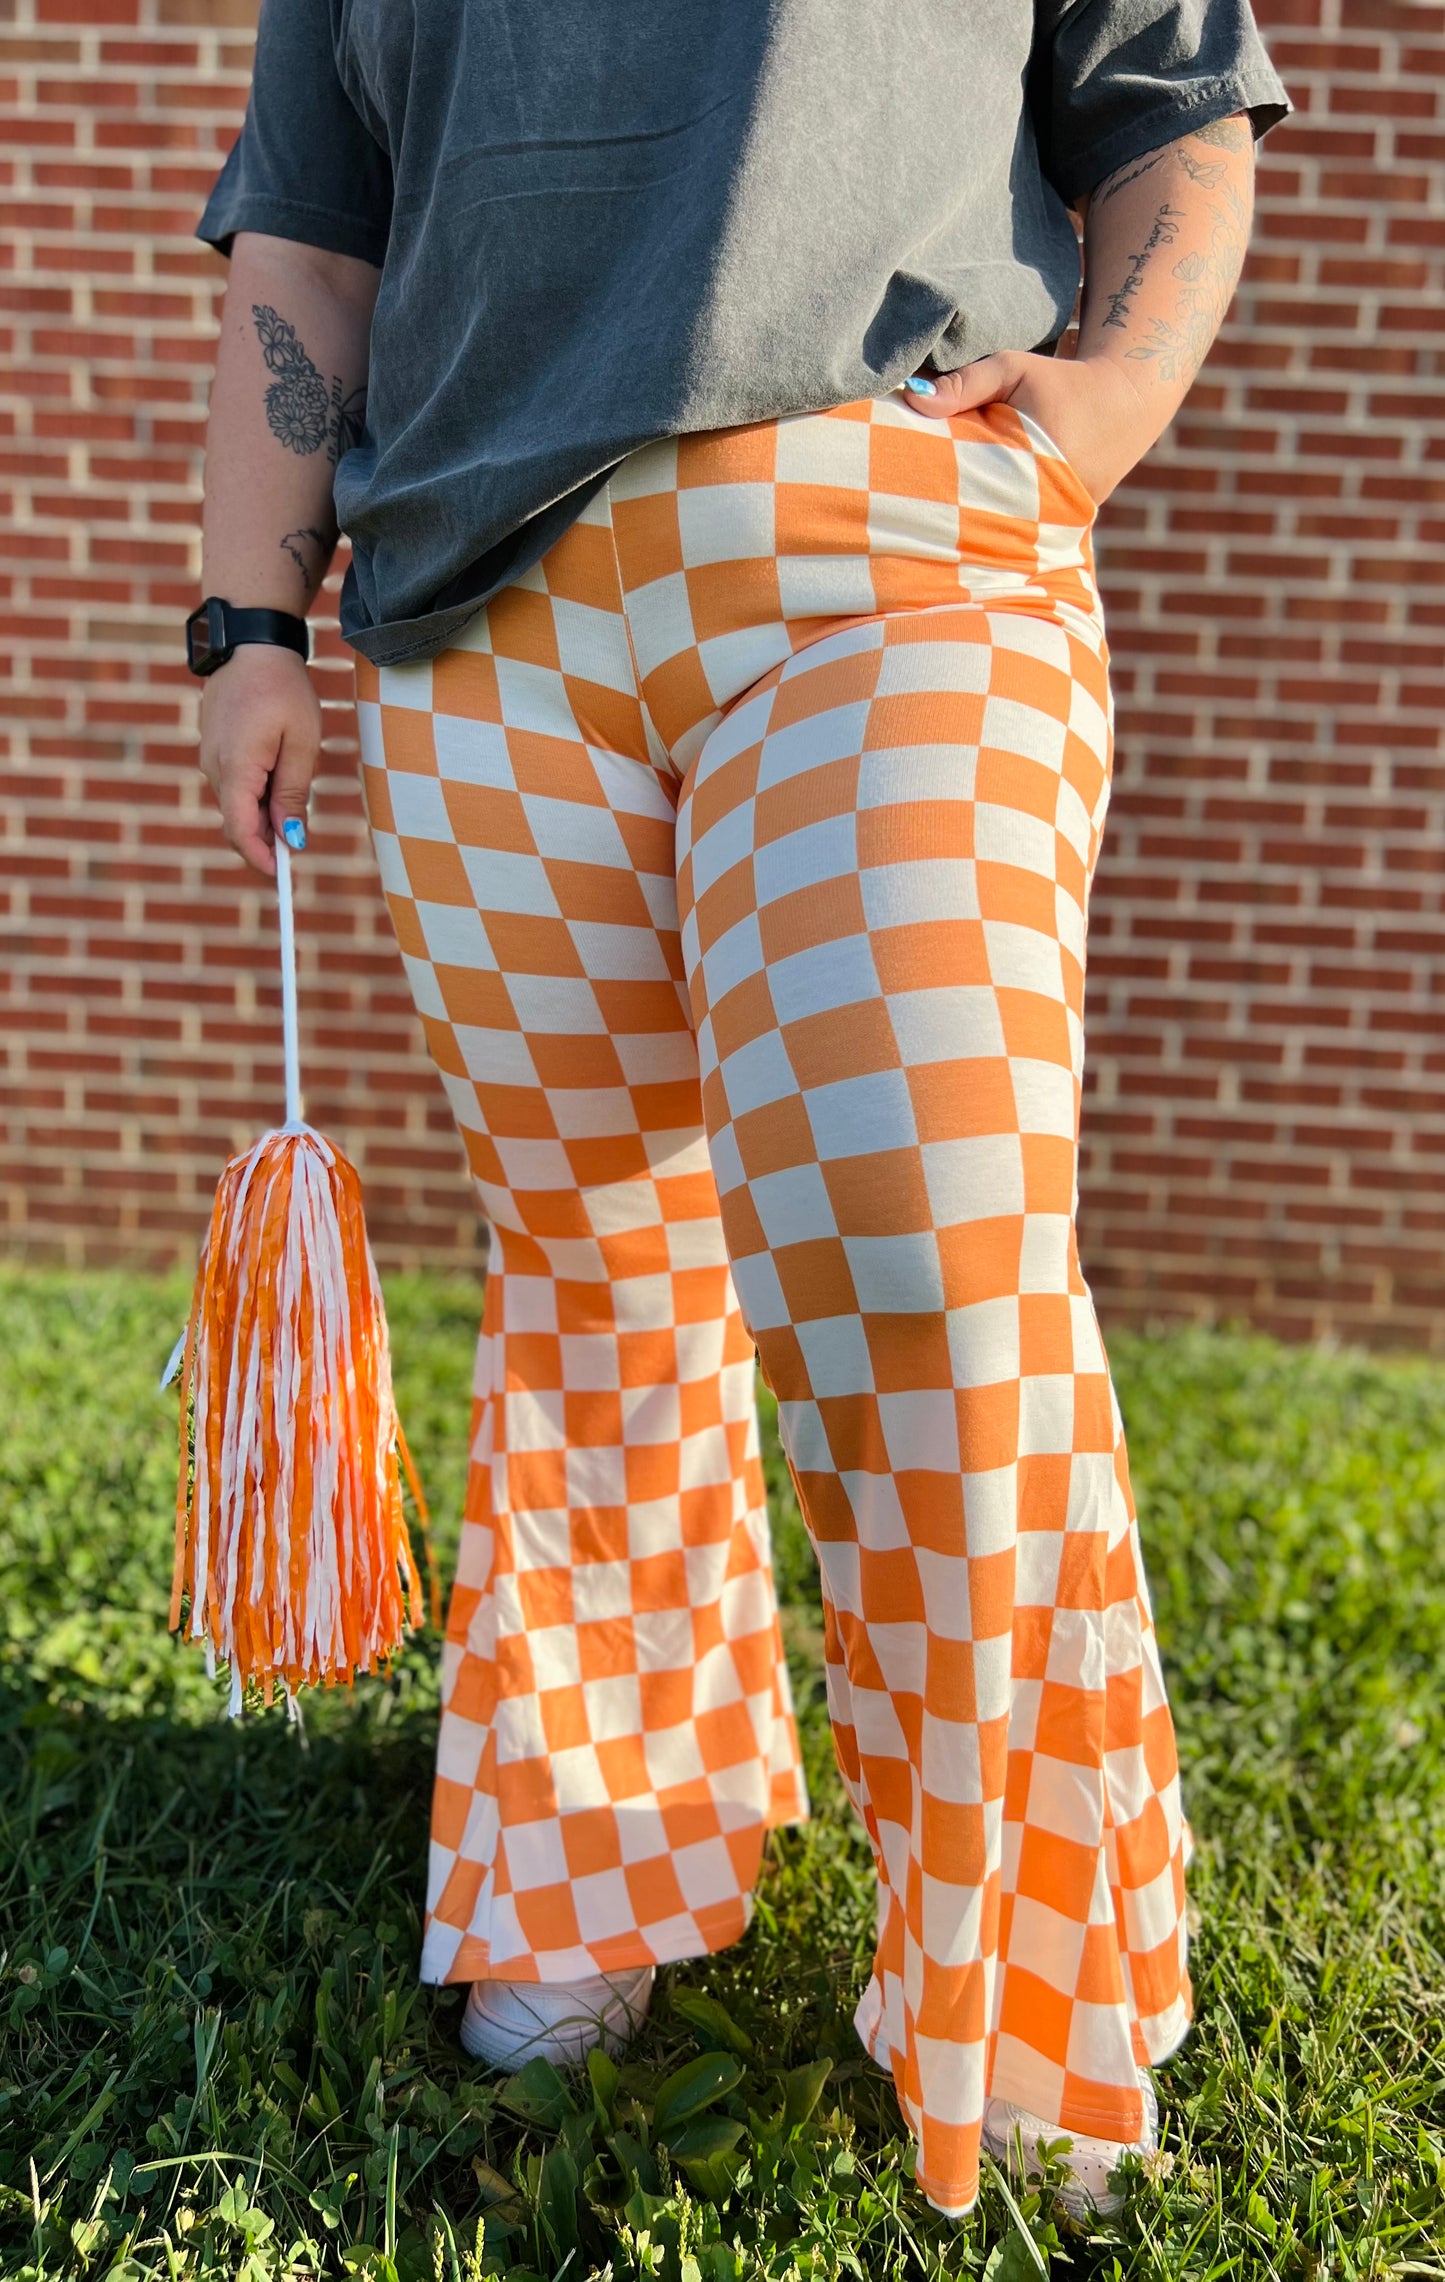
x,y
1089,407
1164,237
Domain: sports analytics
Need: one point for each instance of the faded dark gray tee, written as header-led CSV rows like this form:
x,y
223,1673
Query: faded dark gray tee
x,y
600,222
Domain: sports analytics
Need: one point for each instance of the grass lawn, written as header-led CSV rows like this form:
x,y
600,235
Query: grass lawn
x,y
214,2057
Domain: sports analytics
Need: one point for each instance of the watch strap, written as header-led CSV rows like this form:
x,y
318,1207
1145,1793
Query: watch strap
x,y
218,628
279,626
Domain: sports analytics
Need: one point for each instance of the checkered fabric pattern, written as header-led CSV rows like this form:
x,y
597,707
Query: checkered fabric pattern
x,y
740,858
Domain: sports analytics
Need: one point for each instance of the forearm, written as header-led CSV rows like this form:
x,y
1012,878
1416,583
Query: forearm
x,y
1164,242
288,399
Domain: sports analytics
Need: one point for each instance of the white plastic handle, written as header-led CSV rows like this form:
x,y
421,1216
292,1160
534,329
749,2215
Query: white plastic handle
x,y
289,1027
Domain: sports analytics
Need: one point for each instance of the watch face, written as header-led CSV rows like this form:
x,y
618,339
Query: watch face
x,y
205,638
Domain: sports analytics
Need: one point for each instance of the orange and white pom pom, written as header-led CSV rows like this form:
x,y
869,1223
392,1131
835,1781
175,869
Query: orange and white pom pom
x,y
291,1542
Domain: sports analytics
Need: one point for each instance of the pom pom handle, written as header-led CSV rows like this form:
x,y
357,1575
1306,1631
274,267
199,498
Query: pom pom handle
x,y
290,1026
291,1545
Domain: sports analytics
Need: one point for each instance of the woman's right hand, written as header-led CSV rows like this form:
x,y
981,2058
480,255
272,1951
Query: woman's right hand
x,y
260,743
269,524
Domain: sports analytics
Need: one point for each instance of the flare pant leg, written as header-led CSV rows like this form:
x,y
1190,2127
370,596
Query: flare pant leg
x,y
617,1733
886,858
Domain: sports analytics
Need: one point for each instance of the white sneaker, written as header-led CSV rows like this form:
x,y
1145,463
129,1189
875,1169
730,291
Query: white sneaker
x,y
1012,2138
507,2023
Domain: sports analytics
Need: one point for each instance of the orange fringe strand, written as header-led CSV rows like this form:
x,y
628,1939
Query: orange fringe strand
x,y
291,1543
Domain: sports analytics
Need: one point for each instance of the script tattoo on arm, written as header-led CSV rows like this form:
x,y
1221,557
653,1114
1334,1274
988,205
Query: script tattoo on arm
x,y
301,412
1128,173
1166,229
1177,346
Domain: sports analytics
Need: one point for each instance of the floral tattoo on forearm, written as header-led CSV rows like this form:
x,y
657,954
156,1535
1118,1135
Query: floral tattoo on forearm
x,y
301,412
1177,346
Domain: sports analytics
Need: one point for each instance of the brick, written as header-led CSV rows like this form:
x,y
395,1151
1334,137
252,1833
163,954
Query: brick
x,y
1376,186
1384,102
1273,12
1297,224
1263,1131
235,14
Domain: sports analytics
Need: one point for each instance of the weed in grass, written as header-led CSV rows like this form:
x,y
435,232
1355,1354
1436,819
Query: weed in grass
x,y
214,2057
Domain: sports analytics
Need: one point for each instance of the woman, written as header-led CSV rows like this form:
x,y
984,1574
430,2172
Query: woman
x,y
735,735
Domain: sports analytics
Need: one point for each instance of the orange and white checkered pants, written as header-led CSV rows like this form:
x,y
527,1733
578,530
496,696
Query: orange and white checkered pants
x,y
740,855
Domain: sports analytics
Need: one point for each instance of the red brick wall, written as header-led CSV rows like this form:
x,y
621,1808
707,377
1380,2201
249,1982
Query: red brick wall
x,y
1265,1003
139,1005
1268,1113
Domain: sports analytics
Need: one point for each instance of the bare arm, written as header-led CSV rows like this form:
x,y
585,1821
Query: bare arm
x,y
287,401
1164,242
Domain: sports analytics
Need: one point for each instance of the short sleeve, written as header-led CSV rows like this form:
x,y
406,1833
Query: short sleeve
x,y
1113,79
306,166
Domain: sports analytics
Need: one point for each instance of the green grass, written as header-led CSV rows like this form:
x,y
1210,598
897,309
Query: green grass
x,y
215,2060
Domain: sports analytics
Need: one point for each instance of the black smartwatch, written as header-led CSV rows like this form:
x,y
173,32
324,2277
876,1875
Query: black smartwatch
x,y
216,630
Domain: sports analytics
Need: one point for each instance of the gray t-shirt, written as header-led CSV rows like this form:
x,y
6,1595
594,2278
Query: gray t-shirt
x,y
600,222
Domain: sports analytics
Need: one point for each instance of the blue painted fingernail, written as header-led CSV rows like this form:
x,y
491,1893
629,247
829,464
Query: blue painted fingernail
x,y
293,832
920,385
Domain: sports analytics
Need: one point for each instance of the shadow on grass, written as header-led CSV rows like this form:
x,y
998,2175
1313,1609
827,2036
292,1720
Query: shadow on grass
x,y
214,1990
212,2044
